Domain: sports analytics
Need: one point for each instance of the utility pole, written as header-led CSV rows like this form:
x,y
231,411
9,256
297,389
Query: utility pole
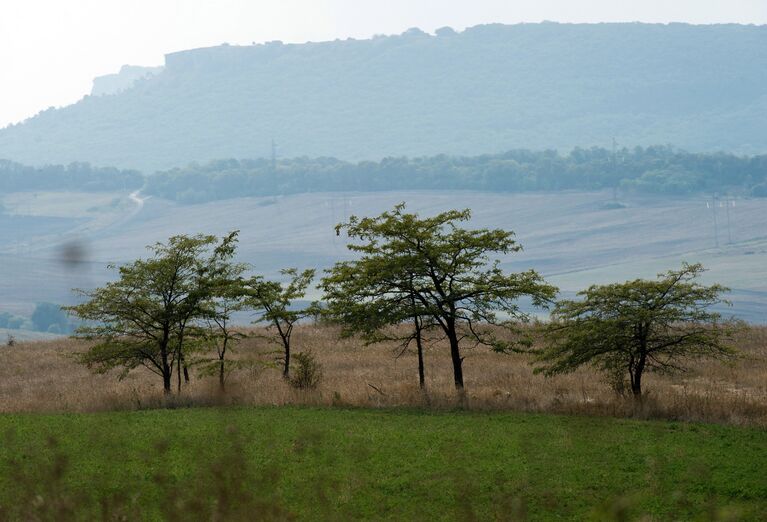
x,y
727,213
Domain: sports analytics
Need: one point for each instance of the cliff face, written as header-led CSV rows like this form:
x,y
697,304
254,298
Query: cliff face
x,y
123,80
487,89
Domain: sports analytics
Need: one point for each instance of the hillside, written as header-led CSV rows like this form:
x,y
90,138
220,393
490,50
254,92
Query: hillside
x,y
487,89
573,238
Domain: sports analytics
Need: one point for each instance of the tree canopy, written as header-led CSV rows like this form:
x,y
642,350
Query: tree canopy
x,y
446,269
626,329
278,307
141,319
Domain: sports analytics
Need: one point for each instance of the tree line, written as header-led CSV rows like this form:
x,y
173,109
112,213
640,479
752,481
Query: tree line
x,y
647,170
16,177
650,170
414,280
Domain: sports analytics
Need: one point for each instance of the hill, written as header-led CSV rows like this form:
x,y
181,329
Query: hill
x,y
487,89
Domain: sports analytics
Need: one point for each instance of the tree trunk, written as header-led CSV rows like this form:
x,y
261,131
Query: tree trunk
x,y
636,378
167,369
166,382
178,370
455,355
221,379
419,346
286,370
182,359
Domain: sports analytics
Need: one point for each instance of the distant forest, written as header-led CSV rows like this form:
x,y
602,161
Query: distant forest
x,y
15,177
648,170
656,170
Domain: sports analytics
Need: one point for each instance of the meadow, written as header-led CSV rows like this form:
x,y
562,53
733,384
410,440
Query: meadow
x,y
350,464
43,376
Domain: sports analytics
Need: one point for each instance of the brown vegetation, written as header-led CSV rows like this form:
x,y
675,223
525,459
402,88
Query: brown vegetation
x,y
43,376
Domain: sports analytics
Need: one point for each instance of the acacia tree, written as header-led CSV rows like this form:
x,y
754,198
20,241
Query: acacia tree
x,y
228,295
277,305
373,308
638,326
141,318
447,272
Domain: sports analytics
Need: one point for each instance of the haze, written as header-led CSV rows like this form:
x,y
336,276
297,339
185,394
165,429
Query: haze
x,y
50,51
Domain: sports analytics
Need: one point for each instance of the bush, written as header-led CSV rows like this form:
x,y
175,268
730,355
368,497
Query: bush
x,y
307,372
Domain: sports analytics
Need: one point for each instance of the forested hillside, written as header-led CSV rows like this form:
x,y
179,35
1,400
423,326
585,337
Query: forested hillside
x,y
655,170
485,90
15,177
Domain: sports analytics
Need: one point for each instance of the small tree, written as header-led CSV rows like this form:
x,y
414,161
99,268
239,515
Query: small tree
x,y
227,295
141,318
277,304
626,329
374,308
445,269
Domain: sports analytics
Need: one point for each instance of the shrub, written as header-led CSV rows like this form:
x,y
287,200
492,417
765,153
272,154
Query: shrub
x,y
307,372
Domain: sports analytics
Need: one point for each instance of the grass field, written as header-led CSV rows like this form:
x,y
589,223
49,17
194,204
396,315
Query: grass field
x,y
44,377
342,464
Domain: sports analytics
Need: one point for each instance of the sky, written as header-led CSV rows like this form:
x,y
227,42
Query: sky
x,y
50,50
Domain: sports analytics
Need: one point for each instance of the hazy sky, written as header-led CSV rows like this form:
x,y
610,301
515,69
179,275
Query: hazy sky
x,y
50,50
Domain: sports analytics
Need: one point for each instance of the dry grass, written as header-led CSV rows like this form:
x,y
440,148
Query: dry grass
x,y
42,376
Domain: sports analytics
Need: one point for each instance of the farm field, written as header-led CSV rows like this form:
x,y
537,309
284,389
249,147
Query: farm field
x,y
347,464
573,238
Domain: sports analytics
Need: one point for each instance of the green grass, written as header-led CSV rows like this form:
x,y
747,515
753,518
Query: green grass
x,y
352,464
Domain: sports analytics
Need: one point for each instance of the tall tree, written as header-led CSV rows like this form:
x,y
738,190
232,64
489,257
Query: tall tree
x,y
277,303
627,329
447,271
141,318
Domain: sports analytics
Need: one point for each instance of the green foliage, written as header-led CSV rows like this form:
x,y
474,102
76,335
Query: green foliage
x,y
141,318
15,177
227,294
278,306
335,464
307,373
442,268
478,91
660,170
625,329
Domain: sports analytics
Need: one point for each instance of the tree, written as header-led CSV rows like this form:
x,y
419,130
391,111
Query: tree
x,y
228,295
277,303
141,318
637,326
375,309
447,272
